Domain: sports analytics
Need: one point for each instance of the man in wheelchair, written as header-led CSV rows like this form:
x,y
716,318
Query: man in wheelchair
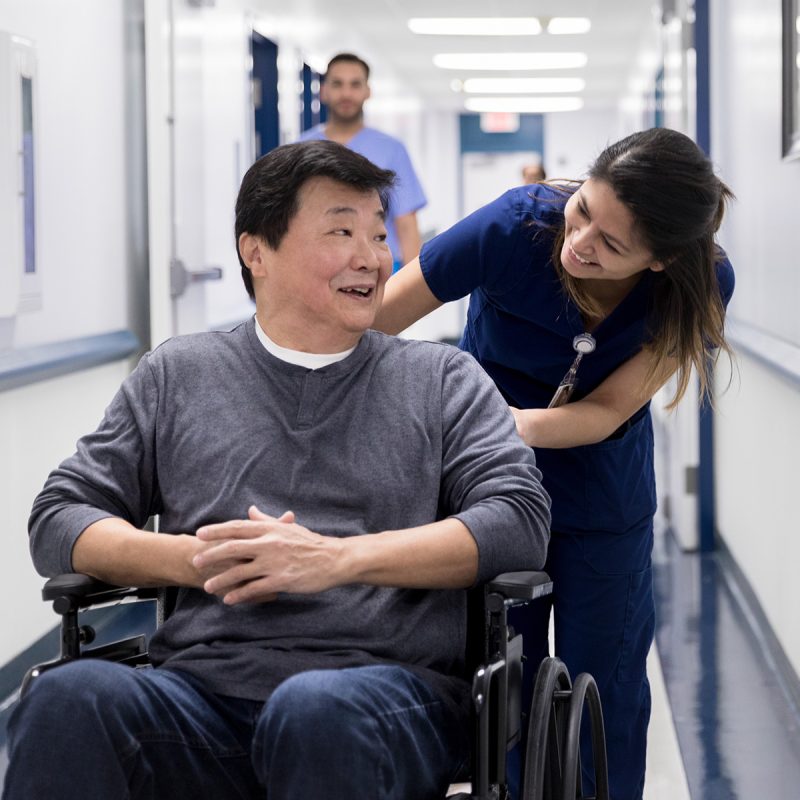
x,y
325,494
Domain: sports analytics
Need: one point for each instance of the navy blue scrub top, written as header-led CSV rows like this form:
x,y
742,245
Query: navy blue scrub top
x,y
520,327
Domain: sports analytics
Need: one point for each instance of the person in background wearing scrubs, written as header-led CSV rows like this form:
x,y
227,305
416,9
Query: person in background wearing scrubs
x,y
584,300
345,89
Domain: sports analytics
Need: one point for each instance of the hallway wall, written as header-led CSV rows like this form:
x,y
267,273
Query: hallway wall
x,y
757,429
82,255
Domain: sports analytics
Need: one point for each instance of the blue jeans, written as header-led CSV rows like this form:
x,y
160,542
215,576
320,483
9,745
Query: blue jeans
x,y
92,729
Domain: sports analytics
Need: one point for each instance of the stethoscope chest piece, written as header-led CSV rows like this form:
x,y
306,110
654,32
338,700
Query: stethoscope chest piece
x,y
582,344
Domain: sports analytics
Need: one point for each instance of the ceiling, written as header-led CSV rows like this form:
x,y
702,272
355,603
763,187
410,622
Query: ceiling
x,y
618,29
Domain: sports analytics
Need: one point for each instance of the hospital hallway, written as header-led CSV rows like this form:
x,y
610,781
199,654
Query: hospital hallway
x,y
127,128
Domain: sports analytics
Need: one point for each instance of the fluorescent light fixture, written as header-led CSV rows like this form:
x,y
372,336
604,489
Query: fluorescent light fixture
x,y
523,105
522,85
499,61
559,25
476,26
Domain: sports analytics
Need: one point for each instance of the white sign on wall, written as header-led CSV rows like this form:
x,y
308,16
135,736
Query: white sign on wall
x,y
19,267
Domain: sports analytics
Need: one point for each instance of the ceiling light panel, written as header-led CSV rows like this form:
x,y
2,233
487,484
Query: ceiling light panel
x,y
522,85
475,26
509,61
523,105
569,25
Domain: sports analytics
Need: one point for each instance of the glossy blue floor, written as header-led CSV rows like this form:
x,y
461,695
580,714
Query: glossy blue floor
x,y
734,701
731,714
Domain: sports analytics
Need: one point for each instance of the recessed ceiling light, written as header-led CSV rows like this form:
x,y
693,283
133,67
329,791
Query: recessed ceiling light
x,y
522,85
492,61
476,26
567,25
523,105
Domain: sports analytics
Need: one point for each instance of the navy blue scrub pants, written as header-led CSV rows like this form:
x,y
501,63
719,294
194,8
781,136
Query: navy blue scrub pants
x,y
92,729
604,617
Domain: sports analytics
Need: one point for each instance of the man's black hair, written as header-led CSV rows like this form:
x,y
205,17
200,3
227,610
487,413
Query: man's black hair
x,y
350,58
268,196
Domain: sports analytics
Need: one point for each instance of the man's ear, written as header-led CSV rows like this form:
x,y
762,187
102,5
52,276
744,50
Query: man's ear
x,y
251,249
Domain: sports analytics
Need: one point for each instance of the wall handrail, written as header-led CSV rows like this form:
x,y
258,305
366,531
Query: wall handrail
x,y
778,354
28,365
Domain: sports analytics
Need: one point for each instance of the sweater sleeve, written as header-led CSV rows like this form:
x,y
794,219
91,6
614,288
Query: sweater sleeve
x,y
111,474
490,479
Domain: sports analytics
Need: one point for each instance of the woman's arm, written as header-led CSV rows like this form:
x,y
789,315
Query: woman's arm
x,y
597,415
406,299
408,236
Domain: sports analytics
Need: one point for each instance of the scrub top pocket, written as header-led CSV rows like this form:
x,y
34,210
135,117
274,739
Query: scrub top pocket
x,y
620,490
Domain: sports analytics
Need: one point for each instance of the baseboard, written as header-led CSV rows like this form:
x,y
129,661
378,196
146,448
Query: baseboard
x,y
758,626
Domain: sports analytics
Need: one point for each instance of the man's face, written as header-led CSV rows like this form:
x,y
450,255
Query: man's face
x,y
324,284
344,91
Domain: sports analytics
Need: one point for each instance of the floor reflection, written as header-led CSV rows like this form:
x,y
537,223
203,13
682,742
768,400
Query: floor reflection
x,y
737,726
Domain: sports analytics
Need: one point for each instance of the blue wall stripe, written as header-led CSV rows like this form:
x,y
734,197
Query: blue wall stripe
x,y
31,364
702,48
705,469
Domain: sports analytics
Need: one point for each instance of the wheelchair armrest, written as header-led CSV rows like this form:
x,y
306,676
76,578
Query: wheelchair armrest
x,y
82,591
521,585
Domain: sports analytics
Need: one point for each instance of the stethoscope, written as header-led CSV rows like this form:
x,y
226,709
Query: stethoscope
x,y
582,344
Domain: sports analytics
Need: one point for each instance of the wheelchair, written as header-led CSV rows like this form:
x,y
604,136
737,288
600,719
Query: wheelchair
x,y
551,765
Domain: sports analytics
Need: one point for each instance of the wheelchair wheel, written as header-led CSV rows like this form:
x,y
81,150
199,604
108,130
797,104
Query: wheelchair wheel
x,y
584,693
552,766
542,770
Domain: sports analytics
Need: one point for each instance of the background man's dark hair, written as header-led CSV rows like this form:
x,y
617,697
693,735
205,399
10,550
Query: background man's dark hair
x,y
349,58
268,196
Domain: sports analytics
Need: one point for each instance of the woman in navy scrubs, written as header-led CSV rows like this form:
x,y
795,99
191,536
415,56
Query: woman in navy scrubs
x,y
623,269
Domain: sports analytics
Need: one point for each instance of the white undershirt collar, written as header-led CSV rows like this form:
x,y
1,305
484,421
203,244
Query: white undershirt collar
x,y
307,360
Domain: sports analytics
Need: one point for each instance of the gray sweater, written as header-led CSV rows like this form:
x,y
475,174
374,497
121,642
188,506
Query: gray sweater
x,y
398,434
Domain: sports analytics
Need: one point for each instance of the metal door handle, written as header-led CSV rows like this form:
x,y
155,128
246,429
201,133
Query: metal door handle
x,y
180,277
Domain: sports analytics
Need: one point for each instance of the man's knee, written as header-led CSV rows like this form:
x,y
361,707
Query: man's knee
x,y
60,700
78,683
315,704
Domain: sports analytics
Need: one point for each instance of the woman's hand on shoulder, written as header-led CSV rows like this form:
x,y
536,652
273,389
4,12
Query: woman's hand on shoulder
x,y
525,419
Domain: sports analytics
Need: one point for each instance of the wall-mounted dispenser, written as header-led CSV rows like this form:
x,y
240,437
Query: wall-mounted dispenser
x,y
20,287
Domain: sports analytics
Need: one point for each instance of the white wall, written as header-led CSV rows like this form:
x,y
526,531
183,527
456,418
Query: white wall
x,y
762,228
757,428
757,431
573,140
39,425
83,252
79,166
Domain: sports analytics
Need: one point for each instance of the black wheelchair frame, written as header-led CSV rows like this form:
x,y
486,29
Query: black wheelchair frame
x,y
551,763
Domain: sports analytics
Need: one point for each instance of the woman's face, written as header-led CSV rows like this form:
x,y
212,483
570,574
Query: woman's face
x,y
600,239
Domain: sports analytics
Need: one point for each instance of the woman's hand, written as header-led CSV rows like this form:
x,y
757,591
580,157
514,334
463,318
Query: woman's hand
x,y
524,418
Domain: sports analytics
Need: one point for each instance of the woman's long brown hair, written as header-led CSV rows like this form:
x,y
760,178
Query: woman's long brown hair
x,y
677,202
